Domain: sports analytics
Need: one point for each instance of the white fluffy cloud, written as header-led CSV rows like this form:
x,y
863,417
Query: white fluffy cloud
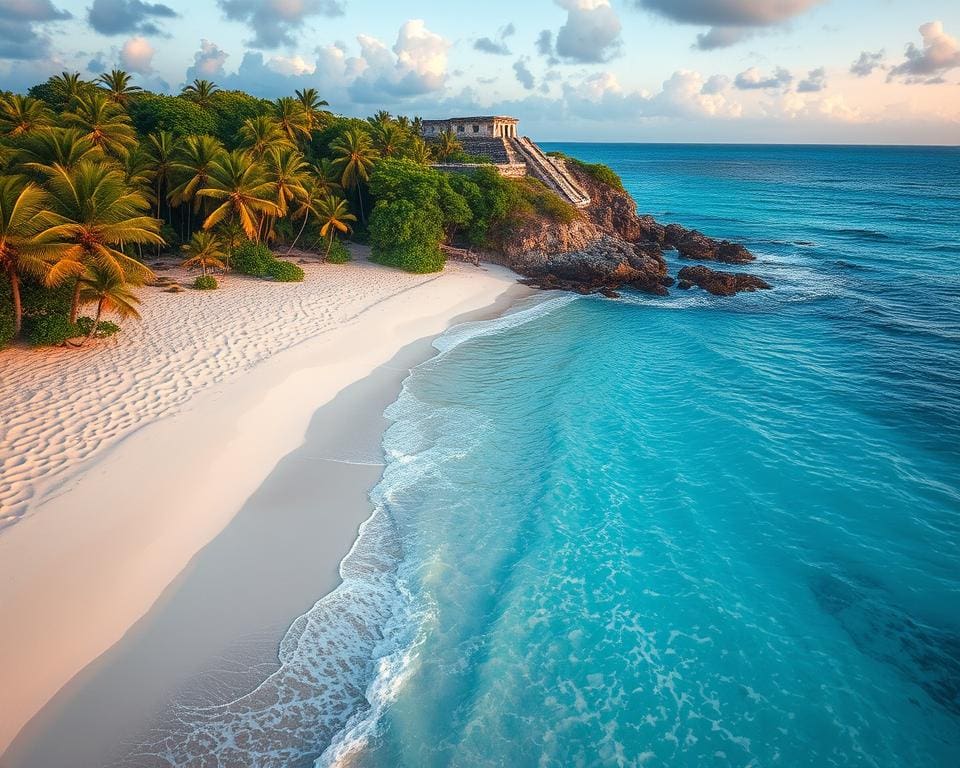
x,y
416,65
590,34
730,21
207,62
940,53
136,55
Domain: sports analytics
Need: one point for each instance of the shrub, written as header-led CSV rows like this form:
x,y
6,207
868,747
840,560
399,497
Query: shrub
x,y
598,171
250,258
406,226
6,315
104,328
339,254
50,330
205,283
152,112
285,272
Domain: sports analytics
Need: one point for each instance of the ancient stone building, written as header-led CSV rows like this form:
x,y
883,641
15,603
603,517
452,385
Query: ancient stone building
x,y
495,140
490,126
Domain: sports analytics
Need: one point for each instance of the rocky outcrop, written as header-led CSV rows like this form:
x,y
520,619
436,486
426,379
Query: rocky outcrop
x,y
694,245
607,246
719,283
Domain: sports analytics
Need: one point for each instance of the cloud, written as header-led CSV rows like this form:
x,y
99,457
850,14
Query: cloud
x,y
591,33
928,65
416,65
814,82
867,62
117,17
720,37
136,55
523,73
545,47
730,20
715,84
19,38
685,94
496,46
753,79
207,62
275,22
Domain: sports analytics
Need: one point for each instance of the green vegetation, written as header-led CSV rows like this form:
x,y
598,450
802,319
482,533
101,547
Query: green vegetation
x,y
250,258
104,328
206,283
337,253
598,171
285,272
99,178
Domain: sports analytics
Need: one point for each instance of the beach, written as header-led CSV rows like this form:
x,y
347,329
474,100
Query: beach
x,y
123,459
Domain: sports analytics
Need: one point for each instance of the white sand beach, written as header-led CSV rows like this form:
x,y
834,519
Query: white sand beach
x,y
122,459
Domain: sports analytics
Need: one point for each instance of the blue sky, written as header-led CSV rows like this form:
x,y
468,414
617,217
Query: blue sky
x,y
883,71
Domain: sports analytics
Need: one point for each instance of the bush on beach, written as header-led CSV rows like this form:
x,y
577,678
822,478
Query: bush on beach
x,y
338,254
205,283
285,272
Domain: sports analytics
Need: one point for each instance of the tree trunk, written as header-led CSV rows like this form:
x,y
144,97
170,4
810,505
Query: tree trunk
x,y
363,217
17,306
329,246
96,320
75,302
303,227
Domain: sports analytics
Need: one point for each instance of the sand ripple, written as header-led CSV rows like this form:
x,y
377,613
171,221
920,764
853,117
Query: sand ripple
x,y
61,407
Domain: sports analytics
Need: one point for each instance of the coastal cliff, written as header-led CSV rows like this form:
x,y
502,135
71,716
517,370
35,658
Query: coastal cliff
x,y
609,245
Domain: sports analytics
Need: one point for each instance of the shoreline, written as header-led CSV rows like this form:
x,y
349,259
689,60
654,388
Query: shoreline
x,y
101,552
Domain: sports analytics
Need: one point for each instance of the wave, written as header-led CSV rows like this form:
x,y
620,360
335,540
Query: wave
x,y
342,662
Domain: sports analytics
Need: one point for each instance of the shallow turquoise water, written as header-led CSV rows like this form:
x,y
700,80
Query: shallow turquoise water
x,y
694,531
681,531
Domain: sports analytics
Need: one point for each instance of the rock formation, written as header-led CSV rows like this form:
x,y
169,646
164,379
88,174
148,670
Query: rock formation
x,y
608,246
719,283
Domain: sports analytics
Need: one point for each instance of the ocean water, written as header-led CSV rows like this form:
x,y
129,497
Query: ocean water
x,y
680,531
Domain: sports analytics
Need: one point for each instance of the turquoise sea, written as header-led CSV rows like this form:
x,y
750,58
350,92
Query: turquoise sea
x,y
681,531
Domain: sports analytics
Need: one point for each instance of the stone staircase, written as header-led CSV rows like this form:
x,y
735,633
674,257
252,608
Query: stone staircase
x,y
551,172
496,150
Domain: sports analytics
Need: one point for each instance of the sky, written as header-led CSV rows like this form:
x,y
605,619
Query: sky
x,y
781,71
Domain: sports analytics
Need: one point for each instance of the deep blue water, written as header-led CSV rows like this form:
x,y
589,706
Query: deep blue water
x,y
681,531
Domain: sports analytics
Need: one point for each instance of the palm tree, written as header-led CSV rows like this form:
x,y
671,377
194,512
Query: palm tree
x,y
22,204
22,116
205,251
354,158
117,82
103,122
259,134
191,168
287,169
319,185
93,215
419,152
381,117
244,192
448,144
71,85
110,292
161,149
293,119
335,217
55,146
389,139
200,92
311,102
